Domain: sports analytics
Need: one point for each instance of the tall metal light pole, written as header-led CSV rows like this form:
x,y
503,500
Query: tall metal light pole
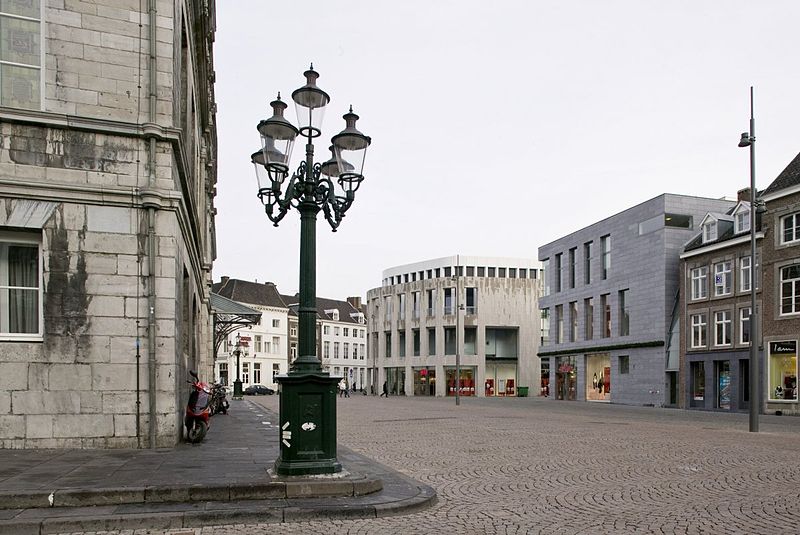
x,y
749,140
307,393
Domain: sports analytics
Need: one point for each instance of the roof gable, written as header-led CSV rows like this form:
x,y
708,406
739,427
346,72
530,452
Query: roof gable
x,y
788,178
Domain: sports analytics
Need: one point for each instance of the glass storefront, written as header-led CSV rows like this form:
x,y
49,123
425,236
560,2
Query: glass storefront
x,y
723,379
396,379
598,377
424,381
698,385
467,380
545,382
782,371
501,378
566,378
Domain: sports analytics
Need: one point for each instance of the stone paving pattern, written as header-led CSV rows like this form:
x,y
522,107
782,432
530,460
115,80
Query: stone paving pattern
x,y
528,465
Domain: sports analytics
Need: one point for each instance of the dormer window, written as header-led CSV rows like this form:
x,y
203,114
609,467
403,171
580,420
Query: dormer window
x,y
741,218
333,313
709,231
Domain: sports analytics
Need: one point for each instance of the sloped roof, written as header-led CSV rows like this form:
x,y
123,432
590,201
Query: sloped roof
x,y
252,293
346,310
697,241
789,177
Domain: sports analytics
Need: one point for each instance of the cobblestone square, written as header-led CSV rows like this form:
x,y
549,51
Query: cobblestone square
x,y
528,465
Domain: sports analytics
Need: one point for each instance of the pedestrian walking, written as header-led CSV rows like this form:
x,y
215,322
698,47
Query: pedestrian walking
x,y
385,392
342,388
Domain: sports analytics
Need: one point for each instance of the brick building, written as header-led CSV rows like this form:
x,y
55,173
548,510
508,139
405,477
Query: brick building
x,y
107,182
715,304
781,282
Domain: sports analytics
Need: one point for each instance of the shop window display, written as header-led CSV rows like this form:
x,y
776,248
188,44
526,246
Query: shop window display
x,y
698,390
467,381
424,381
500,378
598,377
545,374
566,378
783,370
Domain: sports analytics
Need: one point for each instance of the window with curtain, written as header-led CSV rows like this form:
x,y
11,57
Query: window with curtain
x,y
19,288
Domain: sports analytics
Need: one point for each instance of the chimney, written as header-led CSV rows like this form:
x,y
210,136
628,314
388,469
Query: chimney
x,y
743,195
225,280
355,302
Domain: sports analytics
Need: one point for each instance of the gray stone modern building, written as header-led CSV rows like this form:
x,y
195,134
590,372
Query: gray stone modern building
x,y
479,309
715,304
107,182
610,315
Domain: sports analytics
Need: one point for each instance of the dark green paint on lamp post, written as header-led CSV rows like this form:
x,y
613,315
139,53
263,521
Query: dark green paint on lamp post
x,y
307,392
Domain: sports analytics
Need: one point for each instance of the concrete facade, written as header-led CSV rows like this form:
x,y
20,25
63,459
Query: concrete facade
x,y
613,315
480,308
107,178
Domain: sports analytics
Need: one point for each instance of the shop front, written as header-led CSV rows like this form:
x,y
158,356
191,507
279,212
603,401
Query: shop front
x,y
501,378
467,380
396,381
782,371
598,377
544,389
566,378
424,381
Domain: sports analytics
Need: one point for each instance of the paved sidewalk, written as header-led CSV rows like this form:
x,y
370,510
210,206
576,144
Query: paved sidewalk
x,y
223,480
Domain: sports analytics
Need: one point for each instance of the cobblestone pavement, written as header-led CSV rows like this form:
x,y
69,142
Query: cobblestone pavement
x,y
528,465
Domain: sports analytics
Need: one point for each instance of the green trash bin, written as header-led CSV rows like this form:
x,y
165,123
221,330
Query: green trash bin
x,y
522,391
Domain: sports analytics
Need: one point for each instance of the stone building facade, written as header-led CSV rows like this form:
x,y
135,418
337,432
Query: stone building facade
x,y
781,280
716,303
107,184
610,311
482,310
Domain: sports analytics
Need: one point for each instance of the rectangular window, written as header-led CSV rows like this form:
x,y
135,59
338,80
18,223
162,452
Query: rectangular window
x,y
387,305
546,275
431,341
361,349
336,350
246,372
745,273
557,273
481,271
276,345
698,377
605,244
790,228
605,307
293,331
782,370
587,263
624,364
449,298
449,340
472,301
742,221
790,289
355,351
336,331
723,278
722,328
326,329
276,369
470,341
326,349
401,307
346,350
699,283
699,331
345,331
276,324
21,54
388,345
501,273
559,324
572,267
20,288
624,314
416,342
401,343
257,372
293,350
257,343
588,320
744,325
573,321
415,306
545,326
431,303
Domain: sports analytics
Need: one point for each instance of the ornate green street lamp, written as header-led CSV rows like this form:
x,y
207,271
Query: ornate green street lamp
x,y
237,384
307,393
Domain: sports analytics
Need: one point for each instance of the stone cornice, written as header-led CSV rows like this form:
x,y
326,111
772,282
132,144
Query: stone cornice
x,y
600,349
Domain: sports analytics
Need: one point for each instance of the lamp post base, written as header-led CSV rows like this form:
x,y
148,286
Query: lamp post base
x,y
237,389
307,424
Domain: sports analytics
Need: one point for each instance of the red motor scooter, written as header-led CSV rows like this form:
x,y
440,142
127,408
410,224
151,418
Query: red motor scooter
x,y
197,410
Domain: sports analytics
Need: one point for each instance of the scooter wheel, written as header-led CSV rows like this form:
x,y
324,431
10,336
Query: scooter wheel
x,y
224,407
197,431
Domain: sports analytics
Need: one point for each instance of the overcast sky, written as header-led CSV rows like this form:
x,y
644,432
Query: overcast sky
x,y
497,126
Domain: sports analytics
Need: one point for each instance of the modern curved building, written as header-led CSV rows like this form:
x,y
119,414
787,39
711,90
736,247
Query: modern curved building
x,y
480,311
